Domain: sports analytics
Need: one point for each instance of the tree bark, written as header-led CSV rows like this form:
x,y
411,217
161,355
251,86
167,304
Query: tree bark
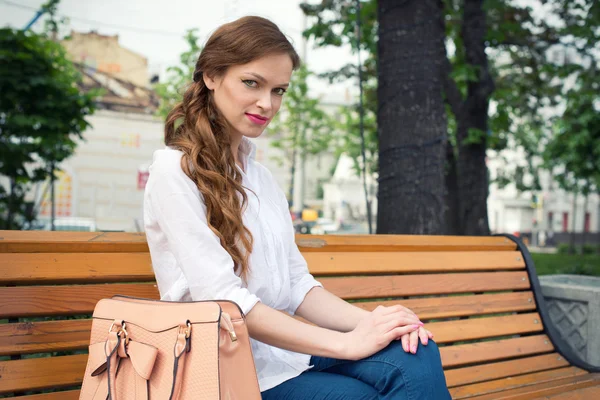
x,y
452,222
411,117
473,181
572,249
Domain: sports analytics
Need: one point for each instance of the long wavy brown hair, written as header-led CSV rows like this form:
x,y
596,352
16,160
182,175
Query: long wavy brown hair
x,y
197,128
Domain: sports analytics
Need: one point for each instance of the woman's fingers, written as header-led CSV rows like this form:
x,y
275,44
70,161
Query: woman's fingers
x,y
414,341
424,336
405,342
395,309
400,331
399,321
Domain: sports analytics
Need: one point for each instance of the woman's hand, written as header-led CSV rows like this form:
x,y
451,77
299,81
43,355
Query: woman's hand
x,y
410,341
374,332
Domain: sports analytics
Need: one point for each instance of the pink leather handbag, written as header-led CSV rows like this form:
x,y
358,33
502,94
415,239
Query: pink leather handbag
x,y
156,350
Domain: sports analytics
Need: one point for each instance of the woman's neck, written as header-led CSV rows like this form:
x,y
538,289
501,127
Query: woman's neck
x,y
236,142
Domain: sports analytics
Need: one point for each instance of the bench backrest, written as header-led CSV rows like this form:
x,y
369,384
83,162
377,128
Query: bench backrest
x,y
474,293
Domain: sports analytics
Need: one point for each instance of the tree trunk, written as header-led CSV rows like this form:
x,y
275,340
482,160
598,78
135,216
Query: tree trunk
x,y
292,176
572,235
584,234
473,182
411,117
452,222
10,209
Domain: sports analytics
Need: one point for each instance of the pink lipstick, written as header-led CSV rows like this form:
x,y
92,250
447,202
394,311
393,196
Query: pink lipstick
x,y
257,119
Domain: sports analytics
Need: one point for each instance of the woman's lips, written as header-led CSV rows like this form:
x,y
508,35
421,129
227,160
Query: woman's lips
x,y
257,119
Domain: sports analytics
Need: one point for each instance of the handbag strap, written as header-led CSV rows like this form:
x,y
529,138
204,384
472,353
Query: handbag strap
x,y
182,347
134,361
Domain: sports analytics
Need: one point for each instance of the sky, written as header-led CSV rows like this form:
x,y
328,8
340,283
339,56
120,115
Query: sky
x,y
155,28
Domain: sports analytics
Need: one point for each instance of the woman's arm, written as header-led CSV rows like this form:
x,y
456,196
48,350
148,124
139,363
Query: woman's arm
x,y
329,311
371,334
279,329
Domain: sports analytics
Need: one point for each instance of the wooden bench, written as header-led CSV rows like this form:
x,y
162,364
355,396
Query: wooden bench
x,y
479,295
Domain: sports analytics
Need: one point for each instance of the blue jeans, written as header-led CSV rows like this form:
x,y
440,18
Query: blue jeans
x,y
389,374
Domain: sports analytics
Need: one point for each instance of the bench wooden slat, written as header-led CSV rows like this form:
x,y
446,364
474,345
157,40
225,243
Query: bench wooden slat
x,y
363,243
89,242
66,395
425,284
39,268
460,306
482,328
348,263
41,241
39,301
579,394
122,267
503,369
495,350
46,336
545,388
42,373
513,382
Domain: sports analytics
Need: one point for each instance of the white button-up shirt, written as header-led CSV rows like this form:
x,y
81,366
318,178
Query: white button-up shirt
x,y
190,264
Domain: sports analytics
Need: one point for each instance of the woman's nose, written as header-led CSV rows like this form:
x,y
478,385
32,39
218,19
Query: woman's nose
x,y
265,102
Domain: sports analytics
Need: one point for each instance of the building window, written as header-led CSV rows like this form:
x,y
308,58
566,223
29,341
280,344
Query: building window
x,y
63,192
565,222
551,221
586,226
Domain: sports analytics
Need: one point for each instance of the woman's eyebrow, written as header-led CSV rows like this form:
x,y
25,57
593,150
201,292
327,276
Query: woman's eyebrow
x,y
260,78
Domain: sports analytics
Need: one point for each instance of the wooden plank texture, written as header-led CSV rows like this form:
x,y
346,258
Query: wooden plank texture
x,y
42,373
63,242
350,263
495,350
500,385
39,268
460,306
503,369
39,301
35,337
590,393
564,385
40,241
482,328
47,336
425,284
364,243
66,395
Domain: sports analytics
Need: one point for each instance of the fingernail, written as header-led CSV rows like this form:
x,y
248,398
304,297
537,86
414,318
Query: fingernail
x,y
415,326
422,324
426,341
413,349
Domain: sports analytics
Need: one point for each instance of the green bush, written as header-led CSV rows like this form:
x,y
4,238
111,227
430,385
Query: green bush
x,y
577,264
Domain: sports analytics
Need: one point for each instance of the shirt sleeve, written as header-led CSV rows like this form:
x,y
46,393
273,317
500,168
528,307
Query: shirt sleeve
x,y
206,265
301,279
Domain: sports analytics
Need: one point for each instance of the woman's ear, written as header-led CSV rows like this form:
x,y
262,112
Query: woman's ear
x,y
209,82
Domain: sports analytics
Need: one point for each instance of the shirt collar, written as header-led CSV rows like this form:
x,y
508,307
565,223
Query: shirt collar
x,y
247,149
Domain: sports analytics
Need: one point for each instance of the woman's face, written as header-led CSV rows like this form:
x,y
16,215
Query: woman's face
x,y
250,95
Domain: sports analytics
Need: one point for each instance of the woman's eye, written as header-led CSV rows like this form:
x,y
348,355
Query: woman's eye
x,y
280,91
250,83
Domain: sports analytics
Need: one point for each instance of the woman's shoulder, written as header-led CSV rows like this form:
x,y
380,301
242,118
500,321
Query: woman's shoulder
x,y
166,161
166,172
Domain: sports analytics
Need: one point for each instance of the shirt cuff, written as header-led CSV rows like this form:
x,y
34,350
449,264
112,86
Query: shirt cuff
x,y
299,291
241,296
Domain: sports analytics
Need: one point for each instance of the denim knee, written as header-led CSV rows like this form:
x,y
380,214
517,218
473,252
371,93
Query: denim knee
x,y
422,372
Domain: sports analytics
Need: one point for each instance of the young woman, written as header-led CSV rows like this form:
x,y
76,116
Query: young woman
x,y
218,227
